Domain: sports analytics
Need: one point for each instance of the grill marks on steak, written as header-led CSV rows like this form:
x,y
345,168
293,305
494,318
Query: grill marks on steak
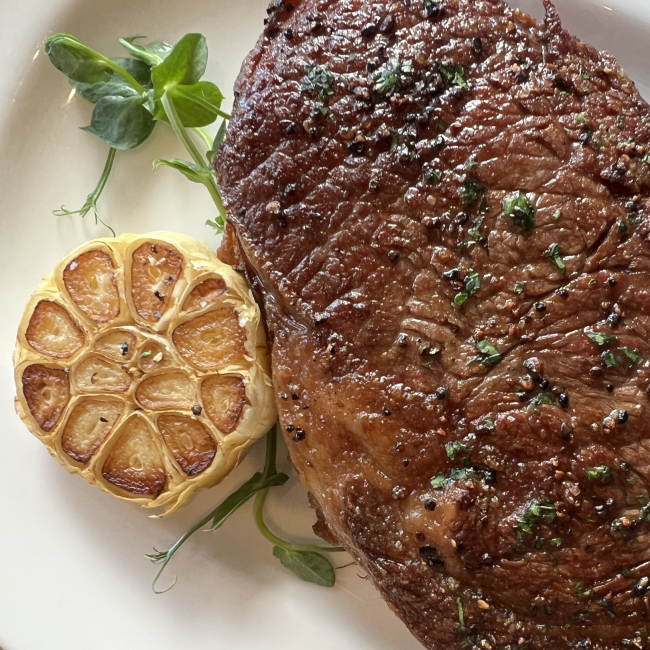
x,y
355,251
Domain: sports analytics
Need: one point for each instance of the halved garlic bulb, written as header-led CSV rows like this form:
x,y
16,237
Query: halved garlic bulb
x,y
141,363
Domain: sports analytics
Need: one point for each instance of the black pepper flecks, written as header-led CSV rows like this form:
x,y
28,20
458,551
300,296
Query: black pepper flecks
x,y
290,428
197,410
441,393
430,505
294,396
622,416
159,296
610,388
540,306
125,349
299,435
612,282
386,412
563,399
283,396
393,256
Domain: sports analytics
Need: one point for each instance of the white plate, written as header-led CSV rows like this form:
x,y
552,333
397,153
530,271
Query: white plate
x,y
72,570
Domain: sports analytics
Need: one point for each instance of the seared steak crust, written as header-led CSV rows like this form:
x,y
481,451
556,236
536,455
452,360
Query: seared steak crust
x,y
460,368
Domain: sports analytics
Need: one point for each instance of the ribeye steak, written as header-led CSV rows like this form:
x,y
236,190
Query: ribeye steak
x,y
444,208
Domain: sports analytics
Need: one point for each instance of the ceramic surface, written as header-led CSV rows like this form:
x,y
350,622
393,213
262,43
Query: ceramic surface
x,y
73,574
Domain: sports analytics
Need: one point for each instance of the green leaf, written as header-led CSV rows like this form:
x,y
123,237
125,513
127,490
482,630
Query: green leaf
x,y
121,122
633,357
460,299
184,65
218,140
191,171
520,287
76,61
196,105
307,565
237,499
388,79
489,355
520,210
555,255
140,71
115,87
601,338
151,54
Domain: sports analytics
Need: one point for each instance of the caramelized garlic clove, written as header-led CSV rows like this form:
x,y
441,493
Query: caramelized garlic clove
x,y
189,441
52,331
90,281
224,398
212,341
47,393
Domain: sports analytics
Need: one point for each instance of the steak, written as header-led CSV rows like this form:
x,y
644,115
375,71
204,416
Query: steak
x,y
443,208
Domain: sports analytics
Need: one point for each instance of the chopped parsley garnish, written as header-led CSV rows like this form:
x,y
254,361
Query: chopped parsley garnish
x,y
608,359
489,355
602,472
580,118
600,338
622,226
438,482
475,232
431,8
535,516
454,448
555,255
472,285
431,175
454,75
318,80
633,357
585,75
520,287
556,541
473,191
542,398
581,591
520,210
461,618
387,79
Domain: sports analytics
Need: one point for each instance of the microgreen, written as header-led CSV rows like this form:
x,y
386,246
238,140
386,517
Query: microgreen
x,y
538,400
298,558
160,83
520,210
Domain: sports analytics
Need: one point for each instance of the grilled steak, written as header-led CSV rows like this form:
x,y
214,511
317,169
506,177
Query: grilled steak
x,y
444,207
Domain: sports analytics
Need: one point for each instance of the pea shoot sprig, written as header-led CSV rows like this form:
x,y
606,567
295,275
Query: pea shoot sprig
x,y
157,83
305,561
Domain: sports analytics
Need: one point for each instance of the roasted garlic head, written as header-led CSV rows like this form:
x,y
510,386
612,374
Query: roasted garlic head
x,y
141,364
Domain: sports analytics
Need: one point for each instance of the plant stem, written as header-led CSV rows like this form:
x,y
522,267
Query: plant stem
x,y
260,499
204,135
181,132
108,167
